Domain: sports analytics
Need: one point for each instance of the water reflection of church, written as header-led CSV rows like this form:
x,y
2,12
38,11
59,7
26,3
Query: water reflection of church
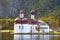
x,y
31,25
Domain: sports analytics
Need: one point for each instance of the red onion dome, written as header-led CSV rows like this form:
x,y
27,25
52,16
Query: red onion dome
x,y
33,12
32,21
21,20
21,12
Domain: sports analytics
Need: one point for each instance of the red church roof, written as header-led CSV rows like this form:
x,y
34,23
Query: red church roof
x,y
32,21
21,20
25,20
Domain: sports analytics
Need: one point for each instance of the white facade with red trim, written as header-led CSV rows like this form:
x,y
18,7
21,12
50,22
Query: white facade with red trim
x,y
24,25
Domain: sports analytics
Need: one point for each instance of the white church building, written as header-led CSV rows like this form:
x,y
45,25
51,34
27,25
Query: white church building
x,y
25,25
44,27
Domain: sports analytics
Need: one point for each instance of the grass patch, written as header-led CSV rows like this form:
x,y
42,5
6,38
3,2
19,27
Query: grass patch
x,y
5,31
12,31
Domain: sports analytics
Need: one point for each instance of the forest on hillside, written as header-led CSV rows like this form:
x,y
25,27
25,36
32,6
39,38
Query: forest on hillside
x,y
43,9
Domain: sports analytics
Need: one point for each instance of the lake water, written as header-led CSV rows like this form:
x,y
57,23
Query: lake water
x,y
28,37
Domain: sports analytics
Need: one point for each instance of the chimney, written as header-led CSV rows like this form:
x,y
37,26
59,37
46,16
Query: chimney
x,y
21,15
33,14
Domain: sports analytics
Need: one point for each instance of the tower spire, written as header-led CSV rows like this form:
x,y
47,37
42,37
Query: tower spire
x,y
33,14
21,15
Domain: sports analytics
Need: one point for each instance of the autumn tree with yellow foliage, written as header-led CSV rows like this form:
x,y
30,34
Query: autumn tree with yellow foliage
x,y
7,23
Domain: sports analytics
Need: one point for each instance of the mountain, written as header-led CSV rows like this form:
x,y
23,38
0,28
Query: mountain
x,y
43,8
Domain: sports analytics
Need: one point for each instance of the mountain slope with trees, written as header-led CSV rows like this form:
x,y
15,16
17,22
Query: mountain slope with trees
x,y
11,8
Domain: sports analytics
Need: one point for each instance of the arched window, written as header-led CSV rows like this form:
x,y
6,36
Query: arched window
x,y
22,27
19,27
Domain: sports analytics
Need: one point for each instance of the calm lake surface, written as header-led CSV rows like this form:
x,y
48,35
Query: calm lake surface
x,y
28,37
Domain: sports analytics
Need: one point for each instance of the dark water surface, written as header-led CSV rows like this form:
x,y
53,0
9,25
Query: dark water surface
x,y
28,37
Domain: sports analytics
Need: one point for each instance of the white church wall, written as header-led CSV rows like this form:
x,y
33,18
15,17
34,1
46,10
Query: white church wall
x,y
33,28
26,28
44,28
16,28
